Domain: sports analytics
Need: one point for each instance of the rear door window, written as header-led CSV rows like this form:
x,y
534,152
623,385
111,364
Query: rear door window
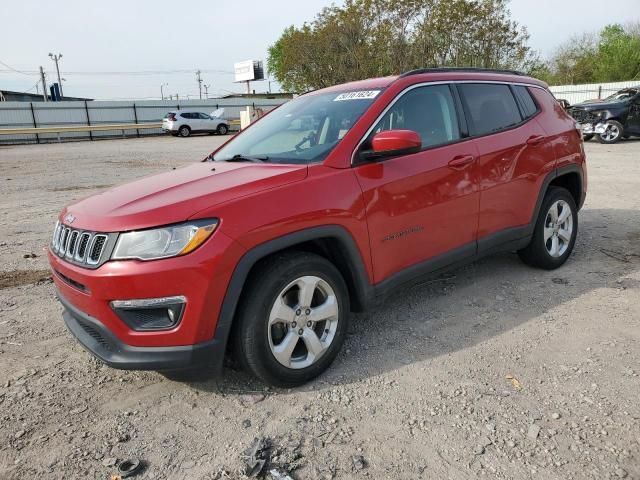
x,y
491,107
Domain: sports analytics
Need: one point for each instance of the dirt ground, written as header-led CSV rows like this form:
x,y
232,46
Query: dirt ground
x,y
495,370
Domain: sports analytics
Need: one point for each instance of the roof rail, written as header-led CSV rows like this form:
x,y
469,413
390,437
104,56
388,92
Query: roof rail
x,y
460,69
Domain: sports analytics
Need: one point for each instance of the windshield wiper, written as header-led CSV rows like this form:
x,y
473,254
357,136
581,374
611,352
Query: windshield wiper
x,y
247,158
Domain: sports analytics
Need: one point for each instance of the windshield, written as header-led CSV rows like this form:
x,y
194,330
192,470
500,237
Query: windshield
x,y
303,130
622,95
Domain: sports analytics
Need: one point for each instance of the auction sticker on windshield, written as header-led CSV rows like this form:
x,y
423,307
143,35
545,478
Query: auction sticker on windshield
x,y
362,95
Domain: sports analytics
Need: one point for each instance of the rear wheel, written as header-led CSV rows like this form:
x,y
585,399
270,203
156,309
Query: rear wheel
x,y
555,231
184,131
614,131
293,319
587,136
222,129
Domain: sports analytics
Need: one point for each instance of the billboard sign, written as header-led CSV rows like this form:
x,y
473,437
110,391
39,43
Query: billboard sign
x,y
248,71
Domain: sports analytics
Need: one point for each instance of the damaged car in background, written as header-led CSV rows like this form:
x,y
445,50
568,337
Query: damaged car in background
x,y
610,119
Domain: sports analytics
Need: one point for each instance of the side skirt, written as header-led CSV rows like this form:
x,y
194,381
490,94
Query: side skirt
x,y
504,241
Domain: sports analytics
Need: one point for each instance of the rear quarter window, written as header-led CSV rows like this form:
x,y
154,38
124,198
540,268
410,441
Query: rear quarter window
x,y
528,106
491,107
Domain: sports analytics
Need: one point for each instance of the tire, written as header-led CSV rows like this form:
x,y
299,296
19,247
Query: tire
x,y
260,334
588,136
222,129
540,252
184,131
613,134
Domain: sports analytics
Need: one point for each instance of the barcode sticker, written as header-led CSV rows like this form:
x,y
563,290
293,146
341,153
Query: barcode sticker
x,y
361,95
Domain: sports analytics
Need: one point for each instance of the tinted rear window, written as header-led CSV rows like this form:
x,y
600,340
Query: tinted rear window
x,y
491,107
528,106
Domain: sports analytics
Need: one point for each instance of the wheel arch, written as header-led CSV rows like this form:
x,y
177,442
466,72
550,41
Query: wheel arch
x,y
571,181
569,177
333,242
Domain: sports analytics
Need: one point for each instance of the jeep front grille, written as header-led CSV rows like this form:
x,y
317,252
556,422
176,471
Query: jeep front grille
x,y
84,248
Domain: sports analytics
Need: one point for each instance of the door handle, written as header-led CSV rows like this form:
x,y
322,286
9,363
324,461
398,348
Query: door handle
x,y
535,140
461,161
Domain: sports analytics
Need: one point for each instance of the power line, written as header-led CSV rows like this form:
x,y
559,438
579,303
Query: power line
x,y
135,72
15,70
34,86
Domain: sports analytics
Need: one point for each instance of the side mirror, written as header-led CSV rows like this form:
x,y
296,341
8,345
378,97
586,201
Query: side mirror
x,y
391,143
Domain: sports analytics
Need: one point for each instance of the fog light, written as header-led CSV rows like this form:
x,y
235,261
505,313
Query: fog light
x,y
150,313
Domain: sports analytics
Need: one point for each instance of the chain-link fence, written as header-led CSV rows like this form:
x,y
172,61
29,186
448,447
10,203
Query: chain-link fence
x,y
579,93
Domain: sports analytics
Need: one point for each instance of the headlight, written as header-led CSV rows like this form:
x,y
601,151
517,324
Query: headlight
x,y
163,242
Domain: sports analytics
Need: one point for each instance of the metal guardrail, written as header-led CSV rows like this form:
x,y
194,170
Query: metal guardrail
x,y
89,128
79,128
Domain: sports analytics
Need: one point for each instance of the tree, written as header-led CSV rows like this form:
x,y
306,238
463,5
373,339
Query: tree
x,y
618,55
608,56
371,38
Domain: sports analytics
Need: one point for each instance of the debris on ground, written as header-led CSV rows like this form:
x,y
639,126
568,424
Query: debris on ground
x,y
279,475
358,463
256,457
514,381
129,468
533,432
251,399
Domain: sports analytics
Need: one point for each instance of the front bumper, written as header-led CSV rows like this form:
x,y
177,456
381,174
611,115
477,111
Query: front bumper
x,y
590,128
201,277
99,341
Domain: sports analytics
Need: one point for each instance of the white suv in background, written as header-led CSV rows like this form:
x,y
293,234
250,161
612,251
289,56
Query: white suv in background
x,y
186,122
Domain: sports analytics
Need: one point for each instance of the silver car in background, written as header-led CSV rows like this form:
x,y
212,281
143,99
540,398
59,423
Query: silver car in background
x,y
185,122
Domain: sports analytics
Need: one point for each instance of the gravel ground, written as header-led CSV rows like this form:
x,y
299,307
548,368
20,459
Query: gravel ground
x,y
495,370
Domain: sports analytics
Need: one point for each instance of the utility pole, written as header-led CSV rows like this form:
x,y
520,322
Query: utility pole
x,y
56,58
44,85
161,89
199,83
206,91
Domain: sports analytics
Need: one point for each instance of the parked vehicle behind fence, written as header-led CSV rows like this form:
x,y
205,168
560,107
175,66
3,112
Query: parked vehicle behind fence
x,y
329,202
611,119
185,122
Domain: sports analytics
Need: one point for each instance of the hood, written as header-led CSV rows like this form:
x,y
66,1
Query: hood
x,y
176,195
599,105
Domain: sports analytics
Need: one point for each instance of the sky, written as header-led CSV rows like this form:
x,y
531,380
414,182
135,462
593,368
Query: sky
x,y
127,49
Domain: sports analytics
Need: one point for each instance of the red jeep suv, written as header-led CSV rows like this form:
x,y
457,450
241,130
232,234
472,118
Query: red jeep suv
x,y
326,203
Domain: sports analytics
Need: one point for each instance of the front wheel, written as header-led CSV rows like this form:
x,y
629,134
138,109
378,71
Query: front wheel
x,y
614,131
292,320
555,232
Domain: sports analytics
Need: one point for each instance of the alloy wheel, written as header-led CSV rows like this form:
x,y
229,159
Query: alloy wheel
x,y
303,322
611,132
558,228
